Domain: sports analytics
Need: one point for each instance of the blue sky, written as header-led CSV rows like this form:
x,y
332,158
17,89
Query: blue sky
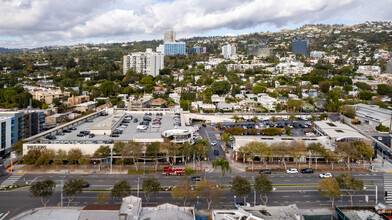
x,y
66,22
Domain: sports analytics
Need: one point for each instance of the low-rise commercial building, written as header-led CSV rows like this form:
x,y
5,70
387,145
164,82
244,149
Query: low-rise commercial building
x,y
338,132
373,115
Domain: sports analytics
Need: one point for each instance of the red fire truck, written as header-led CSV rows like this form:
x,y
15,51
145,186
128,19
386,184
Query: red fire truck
x,y
170,170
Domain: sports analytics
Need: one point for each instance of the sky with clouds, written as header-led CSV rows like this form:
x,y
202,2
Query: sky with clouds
x,y
34,23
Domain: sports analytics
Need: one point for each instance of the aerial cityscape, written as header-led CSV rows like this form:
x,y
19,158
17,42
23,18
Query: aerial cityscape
x,y
226,110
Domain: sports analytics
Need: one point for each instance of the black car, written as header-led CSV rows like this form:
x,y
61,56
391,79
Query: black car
x,y
86,185
72,128
91,135
266,171
204,125
135,120
146,118
67,131
216,152
114,135
80,135
196,178
307,170
51,137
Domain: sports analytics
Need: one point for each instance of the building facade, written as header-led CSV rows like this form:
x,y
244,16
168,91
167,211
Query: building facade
x,y
48,96
169,36
17,125
173,48
228,51
196,50
34,122
300,46
259,50
149,63
5,136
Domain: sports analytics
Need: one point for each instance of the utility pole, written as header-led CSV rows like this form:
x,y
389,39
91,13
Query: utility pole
x,y
310,158
376,196
61,203
193,160
111,160
138,187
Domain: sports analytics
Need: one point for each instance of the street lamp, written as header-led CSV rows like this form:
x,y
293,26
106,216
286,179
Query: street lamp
x,y
279,166
197,203
94,166
235,202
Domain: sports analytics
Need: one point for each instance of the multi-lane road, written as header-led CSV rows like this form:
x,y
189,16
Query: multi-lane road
x,y
300,189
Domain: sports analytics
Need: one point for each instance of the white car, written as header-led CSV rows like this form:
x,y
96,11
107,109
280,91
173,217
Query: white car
x,y
213,143
325,175
379,138
142,127
155,125
292,171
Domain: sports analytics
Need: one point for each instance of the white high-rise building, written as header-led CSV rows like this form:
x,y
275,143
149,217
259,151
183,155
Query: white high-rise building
x,y
149,62
228,51
169,36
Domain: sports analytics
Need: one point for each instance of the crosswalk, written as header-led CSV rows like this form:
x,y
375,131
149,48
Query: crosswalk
x,y
10,180
388,187
3,215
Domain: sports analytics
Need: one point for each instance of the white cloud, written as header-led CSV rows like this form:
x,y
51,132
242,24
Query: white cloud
x,y
47,22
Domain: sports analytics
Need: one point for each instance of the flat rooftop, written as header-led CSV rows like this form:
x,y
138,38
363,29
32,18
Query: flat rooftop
x,y
106,122
337,130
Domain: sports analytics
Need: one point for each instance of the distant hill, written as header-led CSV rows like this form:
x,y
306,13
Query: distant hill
x,y
7,50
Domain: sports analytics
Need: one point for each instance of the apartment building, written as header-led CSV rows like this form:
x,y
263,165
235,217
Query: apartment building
x,y
228,51
149,62
75,100
17,124
49,96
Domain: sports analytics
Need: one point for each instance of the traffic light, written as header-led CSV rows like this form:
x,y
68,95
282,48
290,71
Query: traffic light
x,y
385,193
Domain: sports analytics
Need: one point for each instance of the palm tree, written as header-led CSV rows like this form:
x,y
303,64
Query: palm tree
x,y
273,119
225,137
236,118
223,164
255,119
292,119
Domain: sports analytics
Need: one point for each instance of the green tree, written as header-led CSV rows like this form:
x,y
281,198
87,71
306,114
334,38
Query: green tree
x,y
225,137
183,191
263,186
107,88
121,189
366,95
73,187
292,119
74,155
152,150
43,190
240,186
188,171
329,187
236,118
349,111
102,152
61,155
209,191
46,156
324,86
150,186
363,86
349,183
258,89
102,197
223,164
220,87
255,119
18,147
31,156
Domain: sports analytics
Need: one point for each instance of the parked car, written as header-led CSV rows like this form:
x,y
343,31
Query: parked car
x,y
213,143
86,185
80,135
51,137
266,171
241,203
89,121
91,135
114,135
204,125
196,178
325,175
307,170
216,152
67,131
60,134
292,171
72,128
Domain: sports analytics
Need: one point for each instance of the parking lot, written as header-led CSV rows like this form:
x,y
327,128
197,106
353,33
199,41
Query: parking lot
x,y
299,128
129,130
